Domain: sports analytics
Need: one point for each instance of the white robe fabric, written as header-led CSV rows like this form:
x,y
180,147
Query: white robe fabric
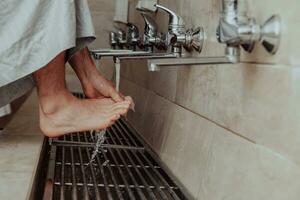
x,y
33,32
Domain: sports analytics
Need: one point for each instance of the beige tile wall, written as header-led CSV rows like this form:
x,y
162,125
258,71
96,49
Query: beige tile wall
x,y
226,131
103,14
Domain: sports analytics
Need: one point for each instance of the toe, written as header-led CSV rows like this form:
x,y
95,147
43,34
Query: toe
x,y
123,104
132,105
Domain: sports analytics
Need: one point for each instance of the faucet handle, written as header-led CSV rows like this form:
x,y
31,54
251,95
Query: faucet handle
x,y
150,25
121,38
176,22
194,39
133,31
151,37
113,39
133,35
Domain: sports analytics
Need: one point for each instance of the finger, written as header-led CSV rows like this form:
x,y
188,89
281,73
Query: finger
x,y
132,104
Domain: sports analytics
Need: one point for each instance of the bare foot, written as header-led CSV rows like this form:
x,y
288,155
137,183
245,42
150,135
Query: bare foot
x,y
65,113
91,92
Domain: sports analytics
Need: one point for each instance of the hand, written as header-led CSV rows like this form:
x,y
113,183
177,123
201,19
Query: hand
x,y
93,83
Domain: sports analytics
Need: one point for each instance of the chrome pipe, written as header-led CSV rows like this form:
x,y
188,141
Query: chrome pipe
x,y
149,56
232,56
128,54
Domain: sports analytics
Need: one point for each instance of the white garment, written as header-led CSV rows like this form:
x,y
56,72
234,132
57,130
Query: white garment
x,y
33,32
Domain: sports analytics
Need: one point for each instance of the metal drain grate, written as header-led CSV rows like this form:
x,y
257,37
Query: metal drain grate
x,y
123,170
125,140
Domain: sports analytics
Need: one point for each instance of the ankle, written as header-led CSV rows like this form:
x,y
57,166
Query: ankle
x,y
50,104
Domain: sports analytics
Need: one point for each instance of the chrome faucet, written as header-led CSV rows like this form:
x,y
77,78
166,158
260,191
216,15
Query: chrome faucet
x,y
113,39
179,37
121,38
236,28
151,38
133,36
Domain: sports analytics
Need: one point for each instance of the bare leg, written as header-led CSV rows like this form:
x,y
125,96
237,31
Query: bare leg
x,y
93,83
61,112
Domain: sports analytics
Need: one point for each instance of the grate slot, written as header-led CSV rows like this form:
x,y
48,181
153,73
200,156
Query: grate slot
x,y
152,196
92,170
106,185
85,189
62,177
121,174
159,190
119,126
74,187
174,195
129,172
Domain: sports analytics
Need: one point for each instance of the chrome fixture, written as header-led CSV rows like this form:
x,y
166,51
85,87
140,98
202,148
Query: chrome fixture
x,y
121,38
99,53
148,56
127,54
232,55
151,38
117,39
133,36
179,37
236,28
113,39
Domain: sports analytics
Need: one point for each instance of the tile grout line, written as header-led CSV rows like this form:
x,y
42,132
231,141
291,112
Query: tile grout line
x,y
206,118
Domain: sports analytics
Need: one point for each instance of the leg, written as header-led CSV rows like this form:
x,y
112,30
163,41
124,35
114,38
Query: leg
x,y
93,83
61,112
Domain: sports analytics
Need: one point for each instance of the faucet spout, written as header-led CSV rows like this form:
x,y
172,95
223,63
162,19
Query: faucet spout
x,y
232,56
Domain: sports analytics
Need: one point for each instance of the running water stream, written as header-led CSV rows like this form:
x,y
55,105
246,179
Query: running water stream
x,y
100,135
118,69
100,139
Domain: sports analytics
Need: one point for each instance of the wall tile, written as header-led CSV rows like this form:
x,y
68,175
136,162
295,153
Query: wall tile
x,y
211,162
256,101
239,169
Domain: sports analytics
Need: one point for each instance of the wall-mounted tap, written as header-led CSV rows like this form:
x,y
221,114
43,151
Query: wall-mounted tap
x,y
236,28
133,36
121,38
151,37
179,37
113,39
